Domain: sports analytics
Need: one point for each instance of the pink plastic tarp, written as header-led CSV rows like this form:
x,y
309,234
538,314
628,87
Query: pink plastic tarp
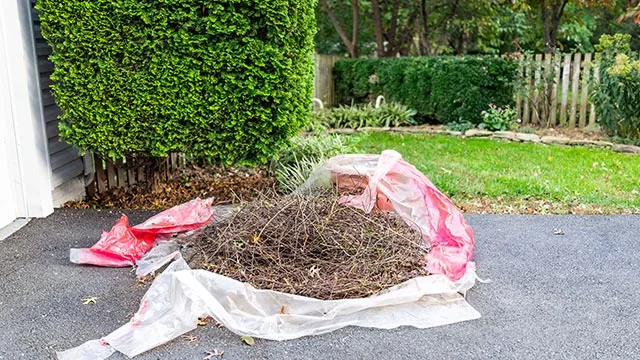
x,y
124,245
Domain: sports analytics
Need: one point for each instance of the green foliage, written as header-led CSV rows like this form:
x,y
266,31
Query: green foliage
x,y
527,130
392,115
227,79
461,126
445,27
303,154
443,89
498,119
318,119
615,95
357,116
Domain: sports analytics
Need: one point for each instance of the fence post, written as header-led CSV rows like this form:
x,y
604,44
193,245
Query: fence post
x,y
131,171
575,87
596,78
323,88
585,90
519,90
566,71
101,177
535,119
528,84
553,112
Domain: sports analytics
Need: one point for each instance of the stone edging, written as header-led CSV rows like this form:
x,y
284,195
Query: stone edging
x,y
502,135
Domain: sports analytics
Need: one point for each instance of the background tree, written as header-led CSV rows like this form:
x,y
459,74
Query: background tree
x,y
552,13
350,42
456,27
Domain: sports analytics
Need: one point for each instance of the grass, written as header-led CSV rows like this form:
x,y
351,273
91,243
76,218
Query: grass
x,y
484,175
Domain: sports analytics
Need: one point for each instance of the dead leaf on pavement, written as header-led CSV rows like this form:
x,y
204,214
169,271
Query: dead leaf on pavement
x,y
189,338
248,340
203,321
89,300
146,279
214,353
558,232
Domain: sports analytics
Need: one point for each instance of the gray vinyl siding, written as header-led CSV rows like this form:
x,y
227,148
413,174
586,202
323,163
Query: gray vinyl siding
x,y
66,163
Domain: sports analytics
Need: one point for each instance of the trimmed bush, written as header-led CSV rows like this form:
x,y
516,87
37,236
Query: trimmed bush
x,y
441,89
227,79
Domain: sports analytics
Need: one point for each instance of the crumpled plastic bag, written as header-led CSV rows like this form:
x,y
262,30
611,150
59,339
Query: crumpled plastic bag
x,y
180,295
124,245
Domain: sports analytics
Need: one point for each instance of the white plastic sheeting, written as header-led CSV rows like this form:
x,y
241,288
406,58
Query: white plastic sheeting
x,y
180,295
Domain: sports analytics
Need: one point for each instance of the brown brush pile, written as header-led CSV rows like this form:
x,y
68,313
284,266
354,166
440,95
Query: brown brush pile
x,y
311,246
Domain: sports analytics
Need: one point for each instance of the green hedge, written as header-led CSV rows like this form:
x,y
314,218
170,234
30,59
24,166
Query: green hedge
x,y
227,79
442,89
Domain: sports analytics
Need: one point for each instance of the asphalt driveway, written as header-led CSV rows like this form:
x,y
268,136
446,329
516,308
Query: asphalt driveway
x,y
571,296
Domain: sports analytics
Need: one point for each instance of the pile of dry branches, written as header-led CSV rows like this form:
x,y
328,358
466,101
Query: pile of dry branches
x,y
311,246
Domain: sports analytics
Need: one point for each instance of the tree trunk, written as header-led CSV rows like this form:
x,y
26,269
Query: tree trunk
x,y
551,18
425,46
377,24
354,31
350,44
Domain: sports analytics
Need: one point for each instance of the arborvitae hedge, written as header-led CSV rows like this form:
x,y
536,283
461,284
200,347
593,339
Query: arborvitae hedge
x,y
228,79
441,89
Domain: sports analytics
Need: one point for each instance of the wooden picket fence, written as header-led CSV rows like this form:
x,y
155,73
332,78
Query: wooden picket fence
x,y
554,90
128,172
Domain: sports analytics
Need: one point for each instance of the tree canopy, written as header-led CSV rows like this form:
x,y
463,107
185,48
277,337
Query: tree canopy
x,y
453,27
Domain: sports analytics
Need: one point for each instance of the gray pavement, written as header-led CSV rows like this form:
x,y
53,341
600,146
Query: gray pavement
x,y
552,297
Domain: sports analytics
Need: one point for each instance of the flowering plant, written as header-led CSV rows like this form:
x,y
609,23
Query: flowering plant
x,y
498,118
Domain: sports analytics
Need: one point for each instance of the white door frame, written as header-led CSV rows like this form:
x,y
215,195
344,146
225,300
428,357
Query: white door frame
x,y
30,170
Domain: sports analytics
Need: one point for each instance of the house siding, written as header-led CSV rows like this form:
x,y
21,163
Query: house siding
x,y
67,166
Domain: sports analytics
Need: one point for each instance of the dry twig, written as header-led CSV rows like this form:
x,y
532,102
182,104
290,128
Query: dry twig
x,y
312,246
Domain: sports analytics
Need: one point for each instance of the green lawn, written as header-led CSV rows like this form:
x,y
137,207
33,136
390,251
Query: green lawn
x,y
496,176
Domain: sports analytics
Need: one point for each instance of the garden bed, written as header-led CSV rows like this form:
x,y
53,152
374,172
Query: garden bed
x,y
225,185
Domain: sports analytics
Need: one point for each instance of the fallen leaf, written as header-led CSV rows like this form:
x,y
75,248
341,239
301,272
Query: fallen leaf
x,y
558,232
189,338
248,340
89,300
203,321
214,353
219,324
282,310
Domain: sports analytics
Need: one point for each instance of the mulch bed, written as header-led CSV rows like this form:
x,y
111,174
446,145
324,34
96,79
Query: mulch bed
x,y
312,246
226,186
